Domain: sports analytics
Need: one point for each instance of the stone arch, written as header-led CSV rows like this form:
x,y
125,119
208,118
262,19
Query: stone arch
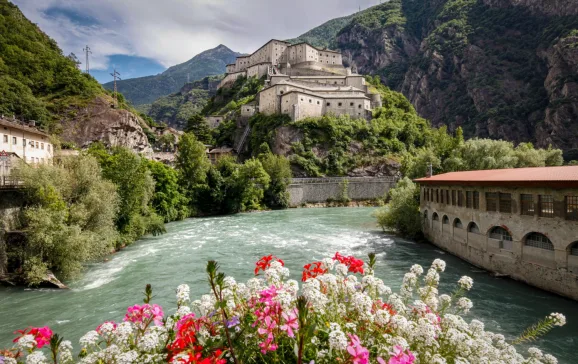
x,y
538,240
458,223
446,220
435,217
500,233
473,228
573,249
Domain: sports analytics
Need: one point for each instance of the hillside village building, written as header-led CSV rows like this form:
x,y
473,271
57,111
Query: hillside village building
x,y
519,222
19,141
303,81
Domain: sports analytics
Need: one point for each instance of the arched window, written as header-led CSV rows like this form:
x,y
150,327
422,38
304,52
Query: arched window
x,y
473,228
458,224
540,241
445,220
435,217
573,249
425,216
500,233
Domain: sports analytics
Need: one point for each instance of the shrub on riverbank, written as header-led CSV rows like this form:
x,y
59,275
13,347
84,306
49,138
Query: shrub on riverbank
x,y
401,214
70,219
341,314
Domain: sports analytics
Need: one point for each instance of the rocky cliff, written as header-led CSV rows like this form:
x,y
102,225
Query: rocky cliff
x,y
498,68
100,121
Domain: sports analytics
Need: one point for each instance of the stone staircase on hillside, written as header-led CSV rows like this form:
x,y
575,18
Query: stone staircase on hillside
x,y
243,140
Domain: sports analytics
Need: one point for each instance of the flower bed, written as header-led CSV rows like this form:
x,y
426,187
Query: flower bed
x,y
341,314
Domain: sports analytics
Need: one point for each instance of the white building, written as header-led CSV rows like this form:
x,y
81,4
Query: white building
x,y
24,142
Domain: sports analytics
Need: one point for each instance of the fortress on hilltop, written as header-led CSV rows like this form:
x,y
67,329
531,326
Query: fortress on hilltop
x,y
303,81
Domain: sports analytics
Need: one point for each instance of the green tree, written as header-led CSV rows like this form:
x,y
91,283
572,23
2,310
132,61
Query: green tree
x,y
401,214
254,181
168,201
135,186
278,168
70,219
192,164
199,126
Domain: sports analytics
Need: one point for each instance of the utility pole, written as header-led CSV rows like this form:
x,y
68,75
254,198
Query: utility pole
x,y
87,51
116,76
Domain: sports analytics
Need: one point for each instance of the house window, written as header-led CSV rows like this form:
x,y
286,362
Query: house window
x,y
42,144
24,143
572,208
473,228
454,200
506,203
318,103
546,207
527,204
5,138
460,198
539,241
435,217
491,201
476,200
446,220
310,101
37,146
442,196
458,224
448,197
48,147
14,140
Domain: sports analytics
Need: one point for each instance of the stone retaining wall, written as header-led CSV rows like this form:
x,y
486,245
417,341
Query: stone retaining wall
x,y
313,190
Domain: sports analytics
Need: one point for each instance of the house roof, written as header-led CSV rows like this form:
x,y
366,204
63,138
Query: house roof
x,y
17,125
557,177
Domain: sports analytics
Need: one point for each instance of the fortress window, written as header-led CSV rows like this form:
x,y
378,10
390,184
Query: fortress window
x,y
506,203
527,204
301,99
5,138
310,101
24,143
48,147
491,201
539,241
572,208
340,104
359,106
351,104
282,92
328,104
318,103
14,140
546,205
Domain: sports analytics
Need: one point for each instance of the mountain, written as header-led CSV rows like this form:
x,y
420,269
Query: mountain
x,y
325,35
175,109
503,69
145,90
37,82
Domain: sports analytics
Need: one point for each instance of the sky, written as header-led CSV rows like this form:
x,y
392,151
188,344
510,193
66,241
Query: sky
x,y
144,37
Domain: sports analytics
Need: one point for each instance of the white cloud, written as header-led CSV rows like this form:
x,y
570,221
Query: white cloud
x,y
173,31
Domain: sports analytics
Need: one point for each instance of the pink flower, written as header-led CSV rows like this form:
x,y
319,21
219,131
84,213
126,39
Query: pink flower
x,y
401,357
269,326
290,323
142,314
360,355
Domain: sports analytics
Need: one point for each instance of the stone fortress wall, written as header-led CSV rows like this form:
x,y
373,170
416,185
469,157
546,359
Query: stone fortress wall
x,y
528,241
303,81
317,190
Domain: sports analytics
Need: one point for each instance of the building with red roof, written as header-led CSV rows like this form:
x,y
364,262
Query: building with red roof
x,y
519,222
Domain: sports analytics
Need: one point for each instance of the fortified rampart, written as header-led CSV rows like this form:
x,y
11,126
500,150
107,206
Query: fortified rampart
x,y
314,190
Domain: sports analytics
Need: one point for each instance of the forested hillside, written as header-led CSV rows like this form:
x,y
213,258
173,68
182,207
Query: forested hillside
x,y
501,69
145,90
37,82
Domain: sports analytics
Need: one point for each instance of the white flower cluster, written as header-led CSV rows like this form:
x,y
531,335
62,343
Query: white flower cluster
x,y
466,283
558,319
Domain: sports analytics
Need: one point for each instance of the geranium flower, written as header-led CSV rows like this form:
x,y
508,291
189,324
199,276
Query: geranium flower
x,y
290,323
265,262
41,335
360,355
401,357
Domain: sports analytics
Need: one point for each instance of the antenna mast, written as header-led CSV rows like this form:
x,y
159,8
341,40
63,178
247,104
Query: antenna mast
x,y
87,51
116,76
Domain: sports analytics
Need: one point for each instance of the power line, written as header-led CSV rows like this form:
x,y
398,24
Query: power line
x,y
116,76
87,51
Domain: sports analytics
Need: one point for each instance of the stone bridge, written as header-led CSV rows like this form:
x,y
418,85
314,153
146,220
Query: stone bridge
x,y
315,190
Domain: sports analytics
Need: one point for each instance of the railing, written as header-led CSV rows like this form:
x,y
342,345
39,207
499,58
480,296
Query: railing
x,y
10,183
328,180
243,139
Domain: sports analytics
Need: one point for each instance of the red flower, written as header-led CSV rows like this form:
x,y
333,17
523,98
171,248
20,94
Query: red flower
x,y
355,265
312,270
41,335
265,262
186,342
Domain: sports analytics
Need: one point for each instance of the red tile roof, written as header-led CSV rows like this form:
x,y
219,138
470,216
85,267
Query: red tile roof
x,y
566,176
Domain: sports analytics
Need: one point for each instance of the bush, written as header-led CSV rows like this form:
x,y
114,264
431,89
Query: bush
x,y
401,214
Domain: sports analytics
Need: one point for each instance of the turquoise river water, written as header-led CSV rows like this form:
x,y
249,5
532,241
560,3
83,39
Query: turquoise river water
x,y
298,236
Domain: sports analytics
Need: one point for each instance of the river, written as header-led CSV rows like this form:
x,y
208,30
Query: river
x,y
298,236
